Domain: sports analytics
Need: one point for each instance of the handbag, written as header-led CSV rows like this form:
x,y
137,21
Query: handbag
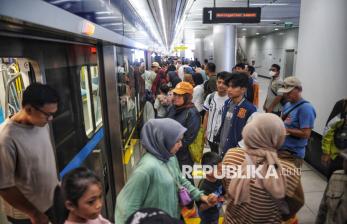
x,y
183,193
295,202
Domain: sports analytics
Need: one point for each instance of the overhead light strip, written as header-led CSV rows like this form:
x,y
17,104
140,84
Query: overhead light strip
x,y
181,23
269,4
63,1
103,12
143,11
108,17
160,2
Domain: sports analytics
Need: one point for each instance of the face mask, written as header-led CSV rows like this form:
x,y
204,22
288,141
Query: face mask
x,y
272,73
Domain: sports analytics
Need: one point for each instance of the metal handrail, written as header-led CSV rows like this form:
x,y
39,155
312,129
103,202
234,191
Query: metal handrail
x,y
7,93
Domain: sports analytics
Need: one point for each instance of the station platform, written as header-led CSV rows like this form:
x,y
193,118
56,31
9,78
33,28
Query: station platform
x,y
314,183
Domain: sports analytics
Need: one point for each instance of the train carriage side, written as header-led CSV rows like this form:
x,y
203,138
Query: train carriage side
x,y
100,109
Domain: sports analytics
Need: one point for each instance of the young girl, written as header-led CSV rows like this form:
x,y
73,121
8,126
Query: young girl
x,y
82,193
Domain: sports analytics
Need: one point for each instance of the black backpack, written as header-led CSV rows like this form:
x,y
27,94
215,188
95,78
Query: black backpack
x,y
340,134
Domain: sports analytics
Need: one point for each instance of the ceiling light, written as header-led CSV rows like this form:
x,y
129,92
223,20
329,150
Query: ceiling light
x,y
143,11
244,29
104,12
63,1
269,4
257,33
108,17
111,24
276,29
162,18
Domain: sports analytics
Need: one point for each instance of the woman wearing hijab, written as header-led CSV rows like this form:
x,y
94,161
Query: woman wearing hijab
x,y
184,111
154,182
260,200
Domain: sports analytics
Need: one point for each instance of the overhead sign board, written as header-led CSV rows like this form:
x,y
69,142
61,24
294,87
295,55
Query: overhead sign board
x,y
231,15
180,48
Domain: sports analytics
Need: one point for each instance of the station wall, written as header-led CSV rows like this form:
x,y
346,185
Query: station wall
x,y
322,55
270,49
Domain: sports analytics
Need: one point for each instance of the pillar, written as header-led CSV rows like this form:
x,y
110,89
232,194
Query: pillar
x,y
224,39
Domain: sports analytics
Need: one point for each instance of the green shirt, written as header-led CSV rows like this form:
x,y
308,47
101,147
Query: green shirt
x,y
152,186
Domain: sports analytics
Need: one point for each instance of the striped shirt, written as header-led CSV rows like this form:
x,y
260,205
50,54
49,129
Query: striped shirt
x,y
263,207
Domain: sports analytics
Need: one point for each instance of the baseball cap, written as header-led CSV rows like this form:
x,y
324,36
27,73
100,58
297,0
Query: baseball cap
x,y
156,64
188,70
289,84
183,88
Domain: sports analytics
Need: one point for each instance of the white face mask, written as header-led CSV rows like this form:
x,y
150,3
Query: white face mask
x,y
272,73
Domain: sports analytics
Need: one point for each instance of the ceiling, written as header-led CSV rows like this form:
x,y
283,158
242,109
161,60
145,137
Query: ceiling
x,y
161,23
272,16
116,15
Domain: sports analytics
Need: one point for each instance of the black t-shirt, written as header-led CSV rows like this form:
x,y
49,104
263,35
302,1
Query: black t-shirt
x,y
339,109
209,187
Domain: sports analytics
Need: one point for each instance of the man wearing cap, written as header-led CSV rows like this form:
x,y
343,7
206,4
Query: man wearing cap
x,y
184,111
333,206
160,79
272,103
149,76
298,116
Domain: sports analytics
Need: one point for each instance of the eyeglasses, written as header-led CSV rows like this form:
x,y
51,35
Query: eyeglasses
x,y
47,114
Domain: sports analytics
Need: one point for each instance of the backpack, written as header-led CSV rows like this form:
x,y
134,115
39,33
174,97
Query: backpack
x,y
340,134
196,148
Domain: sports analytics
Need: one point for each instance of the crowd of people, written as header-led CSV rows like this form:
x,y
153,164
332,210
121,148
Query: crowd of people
x,y
183,98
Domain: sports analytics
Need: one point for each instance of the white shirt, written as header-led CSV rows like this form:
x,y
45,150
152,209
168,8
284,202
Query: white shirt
x,y
215,108
149,77
181,71
198,97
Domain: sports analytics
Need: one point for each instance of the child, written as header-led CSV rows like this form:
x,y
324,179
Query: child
x,y
82,193
210,215
161,102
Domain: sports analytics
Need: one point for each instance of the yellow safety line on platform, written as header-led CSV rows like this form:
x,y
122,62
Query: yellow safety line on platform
x,y
197,220
129,151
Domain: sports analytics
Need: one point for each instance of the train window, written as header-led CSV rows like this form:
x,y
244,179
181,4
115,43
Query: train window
x,y
86,100
96,94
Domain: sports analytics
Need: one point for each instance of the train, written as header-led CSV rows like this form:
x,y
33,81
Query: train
x,y
97,77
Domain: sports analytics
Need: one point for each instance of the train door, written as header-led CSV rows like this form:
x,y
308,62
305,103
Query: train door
x,y
77,130
15,75
131,93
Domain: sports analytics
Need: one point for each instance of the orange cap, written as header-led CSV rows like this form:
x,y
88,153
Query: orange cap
x,y
183,88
